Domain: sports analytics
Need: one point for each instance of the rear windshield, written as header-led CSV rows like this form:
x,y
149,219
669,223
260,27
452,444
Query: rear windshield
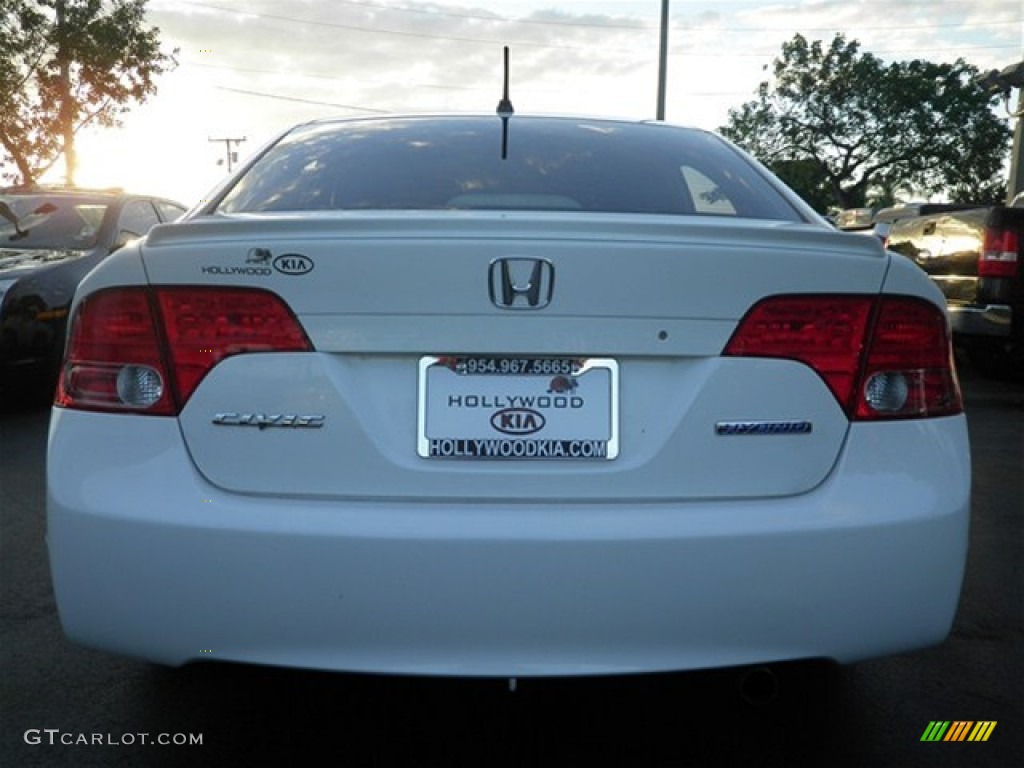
x,y
548,164
50,221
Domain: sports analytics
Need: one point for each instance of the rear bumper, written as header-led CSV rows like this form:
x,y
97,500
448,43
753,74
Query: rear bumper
x,y
149,560
981,319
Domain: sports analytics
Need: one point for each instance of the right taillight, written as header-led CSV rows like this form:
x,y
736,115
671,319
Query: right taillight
x,y
885,357
1000,254
908,368
144,350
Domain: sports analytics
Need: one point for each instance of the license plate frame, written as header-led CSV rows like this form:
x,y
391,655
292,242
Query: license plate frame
x,y
518,407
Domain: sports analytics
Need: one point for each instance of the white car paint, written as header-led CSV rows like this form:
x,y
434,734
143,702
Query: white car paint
x,y
323,539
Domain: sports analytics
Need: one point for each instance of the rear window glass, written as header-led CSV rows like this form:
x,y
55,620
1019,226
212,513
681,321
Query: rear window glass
x,y
548,165
50,222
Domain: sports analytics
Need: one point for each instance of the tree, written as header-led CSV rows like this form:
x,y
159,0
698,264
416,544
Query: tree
x,y
870,128
65,64
805,176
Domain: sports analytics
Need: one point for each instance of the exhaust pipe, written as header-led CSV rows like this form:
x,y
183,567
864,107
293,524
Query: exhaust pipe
x,y
759,686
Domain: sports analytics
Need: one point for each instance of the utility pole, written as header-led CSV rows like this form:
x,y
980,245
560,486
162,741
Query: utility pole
x,y
232,155
1016,181
1003,82
663,61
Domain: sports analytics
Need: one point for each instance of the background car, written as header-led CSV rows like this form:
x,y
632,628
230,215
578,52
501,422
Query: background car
x,y
883,220
506,396
879,222
49,239
855,220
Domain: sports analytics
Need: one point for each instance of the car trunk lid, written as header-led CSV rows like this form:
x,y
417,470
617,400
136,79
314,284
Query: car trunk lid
x,y
394,304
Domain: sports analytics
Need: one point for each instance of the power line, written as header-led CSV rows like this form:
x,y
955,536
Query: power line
x,y
291,75
557,23
442,14
559,46
503,19
404,33
301,101
875,51
680,51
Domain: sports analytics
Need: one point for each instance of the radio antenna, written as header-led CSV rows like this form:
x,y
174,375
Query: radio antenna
x,y
505,106
505,111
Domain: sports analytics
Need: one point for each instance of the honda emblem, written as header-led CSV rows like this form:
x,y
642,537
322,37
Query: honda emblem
x,y
521,283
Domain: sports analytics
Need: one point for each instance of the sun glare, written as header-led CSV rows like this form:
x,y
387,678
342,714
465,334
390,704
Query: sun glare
x,y
145,162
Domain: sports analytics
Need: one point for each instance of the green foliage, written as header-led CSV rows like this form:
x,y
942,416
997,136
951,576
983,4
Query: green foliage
x,y
807,177
870,128
65,64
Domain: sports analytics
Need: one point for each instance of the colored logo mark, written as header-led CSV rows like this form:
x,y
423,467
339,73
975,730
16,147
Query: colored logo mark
x,y
958,730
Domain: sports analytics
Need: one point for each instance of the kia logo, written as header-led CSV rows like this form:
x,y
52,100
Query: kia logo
x,y
293,264
517,421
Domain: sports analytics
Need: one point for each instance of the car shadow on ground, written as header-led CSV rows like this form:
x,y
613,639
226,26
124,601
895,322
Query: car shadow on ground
x,y
760,716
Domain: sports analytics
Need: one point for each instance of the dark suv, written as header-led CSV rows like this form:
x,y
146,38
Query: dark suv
x,y
49,239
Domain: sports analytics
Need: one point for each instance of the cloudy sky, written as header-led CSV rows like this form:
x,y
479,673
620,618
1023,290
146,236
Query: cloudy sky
x,y
251,68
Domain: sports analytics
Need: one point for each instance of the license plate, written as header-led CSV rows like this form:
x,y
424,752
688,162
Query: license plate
x,y
540,408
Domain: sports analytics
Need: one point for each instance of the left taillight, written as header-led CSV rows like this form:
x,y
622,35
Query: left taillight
x,y
144,350
114,359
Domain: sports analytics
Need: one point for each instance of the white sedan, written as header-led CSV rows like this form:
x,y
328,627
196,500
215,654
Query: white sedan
x,y
538,396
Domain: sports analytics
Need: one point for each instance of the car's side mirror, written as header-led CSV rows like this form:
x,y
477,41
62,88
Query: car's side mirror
x,y
11,216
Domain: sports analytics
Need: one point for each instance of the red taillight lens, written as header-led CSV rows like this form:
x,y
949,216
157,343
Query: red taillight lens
x,y
825,332
909,368
1000,254
114,341
145,350
203,326
883,358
